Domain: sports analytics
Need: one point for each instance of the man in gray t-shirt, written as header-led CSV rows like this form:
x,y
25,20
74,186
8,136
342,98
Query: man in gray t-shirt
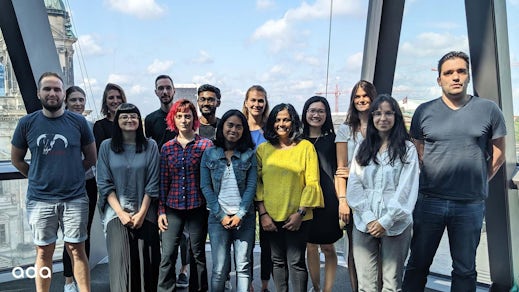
x,y
56,195
460,140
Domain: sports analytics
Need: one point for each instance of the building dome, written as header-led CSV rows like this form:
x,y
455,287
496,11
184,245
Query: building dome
x,y
54,5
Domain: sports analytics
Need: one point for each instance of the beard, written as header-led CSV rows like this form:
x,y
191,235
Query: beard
x,y
167,101
52,108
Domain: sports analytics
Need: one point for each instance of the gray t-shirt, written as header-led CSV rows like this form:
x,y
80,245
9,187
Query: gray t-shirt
x,y
457,147
56,170
130,175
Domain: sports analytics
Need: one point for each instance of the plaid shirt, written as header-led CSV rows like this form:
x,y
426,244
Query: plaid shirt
x,y
180,174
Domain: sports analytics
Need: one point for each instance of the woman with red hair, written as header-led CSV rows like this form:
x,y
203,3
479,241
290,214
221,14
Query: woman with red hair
x,y
181,202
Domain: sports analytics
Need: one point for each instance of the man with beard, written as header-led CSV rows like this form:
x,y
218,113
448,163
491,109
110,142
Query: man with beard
x,y
155,123
208,100
56,195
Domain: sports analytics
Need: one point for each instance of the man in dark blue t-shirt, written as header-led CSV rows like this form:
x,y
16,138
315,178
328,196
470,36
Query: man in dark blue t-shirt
x,y
460,140
56,195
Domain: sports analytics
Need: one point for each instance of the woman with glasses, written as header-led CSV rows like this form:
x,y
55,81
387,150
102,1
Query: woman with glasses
x,y
228,181
382,191
113,96
324,228
181,202
288,190
75,100
349,135
128,182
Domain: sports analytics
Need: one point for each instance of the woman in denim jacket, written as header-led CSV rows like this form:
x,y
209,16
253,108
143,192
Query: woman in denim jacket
x,y
228,182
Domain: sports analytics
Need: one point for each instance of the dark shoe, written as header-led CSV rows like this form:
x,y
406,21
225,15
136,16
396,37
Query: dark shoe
x,y
182,281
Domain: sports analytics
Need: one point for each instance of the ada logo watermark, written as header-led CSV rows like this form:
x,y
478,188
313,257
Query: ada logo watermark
x,y
31,272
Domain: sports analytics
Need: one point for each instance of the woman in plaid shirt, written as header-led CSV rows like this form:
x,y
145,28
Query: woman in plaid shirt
x,y
180,199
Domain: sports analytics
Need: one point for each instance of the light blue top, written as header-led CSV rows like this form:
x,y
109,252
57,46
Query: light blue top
x,y
212,168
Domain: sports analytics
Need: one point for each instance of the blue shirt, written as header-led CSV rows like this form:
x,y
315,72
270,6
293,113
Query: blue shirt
x,y
56,171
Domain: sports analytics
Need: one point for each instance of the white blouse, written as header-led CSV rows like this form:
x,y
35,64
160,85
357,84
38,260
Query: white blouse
x,y
384,192
344,135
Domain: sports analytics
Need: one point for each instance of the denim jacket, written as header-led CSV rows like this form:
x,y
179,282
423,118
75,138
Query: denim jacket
x,y
212,168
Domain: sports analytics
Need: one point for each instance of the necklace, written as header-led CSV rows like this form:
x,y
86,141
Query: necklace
x,y
317,139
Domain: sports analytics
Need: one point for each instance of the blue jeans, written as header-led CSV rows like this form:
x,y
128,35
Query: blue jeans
x,y
463,221
242,240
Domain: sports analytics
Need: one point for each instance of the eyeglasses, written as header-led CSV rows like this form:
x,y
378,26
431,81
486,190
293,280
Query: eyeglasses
x,y
125,117
379,114
313,111
208,99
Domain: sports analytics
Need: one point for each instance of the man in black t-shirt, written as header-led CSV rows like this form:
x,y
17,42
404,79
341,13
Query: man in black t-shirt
x,y
155,122
208,100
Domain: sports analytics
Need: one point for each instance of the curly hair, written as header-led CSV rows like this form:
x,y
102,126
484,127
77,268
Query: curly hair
x,y
184,106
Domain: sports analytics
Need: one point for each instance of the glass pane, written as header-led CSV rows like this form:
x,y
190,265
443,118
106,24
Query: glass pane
x,y
16,245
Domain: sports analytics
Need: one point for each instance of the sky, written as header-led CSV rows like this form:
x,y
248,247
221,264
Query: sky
x,y
281,45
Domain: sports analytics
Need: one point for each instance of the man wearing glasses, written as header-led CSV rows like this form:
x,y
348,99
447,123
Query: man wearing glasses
x,y
208,100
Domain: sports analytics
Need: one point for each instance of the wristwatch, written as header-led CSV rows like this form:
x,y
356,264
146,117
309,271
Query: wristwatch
x,y
301,212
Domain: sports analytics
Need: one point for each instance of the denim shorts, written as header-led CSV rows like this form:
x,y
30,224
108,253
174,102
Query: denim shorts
x,y
45,218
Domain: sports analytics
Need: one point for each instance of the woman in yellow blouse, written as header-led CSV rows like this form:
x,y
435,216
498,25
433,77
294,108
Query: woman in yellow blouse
x,y
288,189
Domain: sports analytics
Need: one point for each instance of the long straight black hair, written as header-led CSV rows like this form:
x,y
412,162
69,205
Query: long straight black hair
x,y
117,137
398,135
244,143
327,127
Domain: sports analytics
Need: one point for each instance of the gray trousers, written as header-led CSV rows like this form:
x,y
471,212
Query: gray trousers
x,y
391,251
133,257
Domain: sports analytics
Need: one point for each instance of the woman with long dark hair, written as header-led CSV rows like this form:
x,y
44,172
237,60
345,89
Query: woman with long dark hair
x,y
382,191
324,228
128,182
288,191
228,181
349,135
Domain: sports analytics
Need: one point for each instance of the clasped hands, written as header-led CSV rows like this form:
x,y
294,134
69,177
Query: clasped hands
x,y
231,222
132,221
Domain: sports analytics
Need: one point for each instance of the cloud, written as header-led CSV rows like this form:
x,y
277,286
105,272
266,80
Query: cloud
x,y
88,45
203,58
431,44
264,4
142,9
280,33
137,90
209,78
118,79
354,62
159,66
310,60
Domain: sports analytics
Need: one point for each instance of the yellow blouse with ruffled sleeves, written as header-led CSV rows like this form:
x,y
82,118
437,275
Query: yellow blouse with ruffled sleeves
x,y
288,179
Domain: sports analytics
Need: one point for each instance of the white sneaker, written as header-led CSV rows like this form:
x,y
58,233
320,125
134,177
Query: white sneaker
x,y
71,287
228,285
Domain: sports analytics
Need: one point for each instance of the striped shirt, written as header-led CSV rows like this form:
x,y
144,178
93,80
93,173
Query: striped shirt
x,y
180,174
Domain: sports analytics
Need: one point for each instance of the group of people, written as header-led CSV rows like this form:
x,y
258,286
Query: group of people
x,y
176,177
